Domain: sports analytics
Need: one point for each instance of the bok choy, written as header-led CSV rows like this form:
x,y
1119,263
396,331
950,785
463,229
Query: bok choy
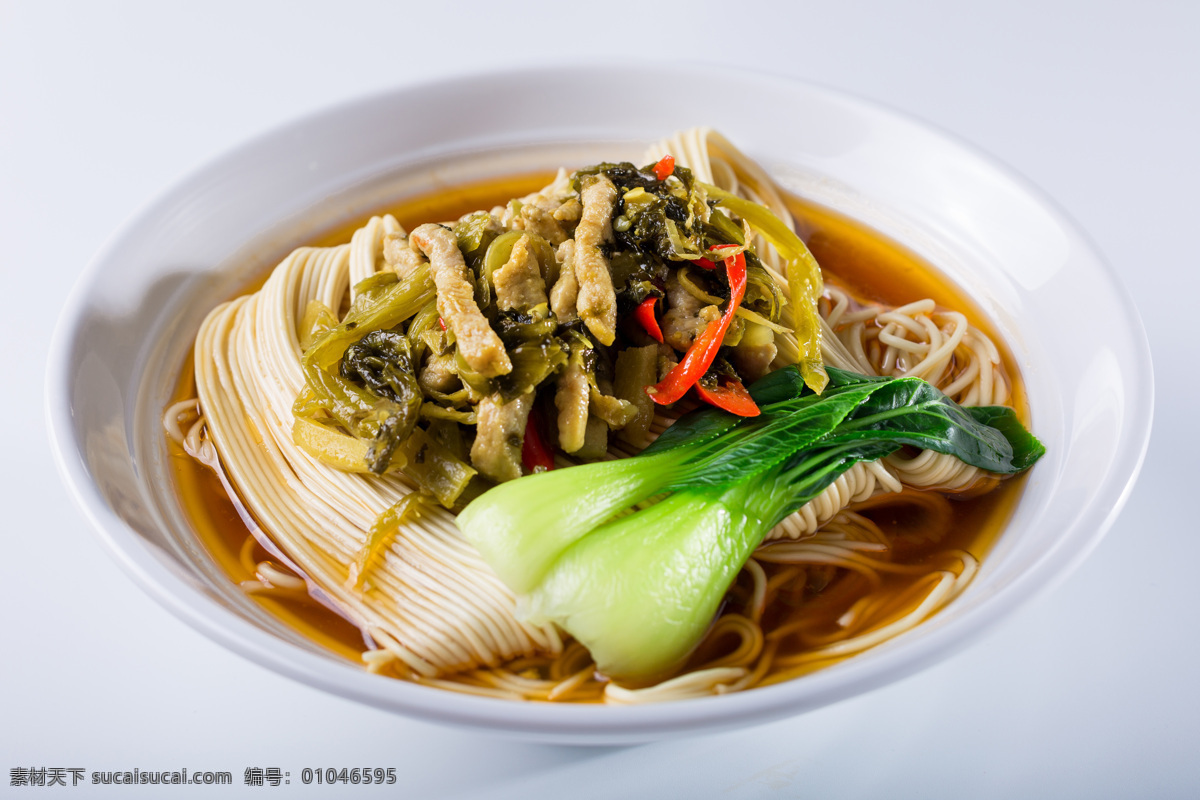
x,y
633,557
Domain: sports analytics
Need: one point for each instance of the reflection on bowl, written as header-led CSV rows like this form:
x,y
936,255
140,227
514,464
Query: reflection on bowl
x,y
131,319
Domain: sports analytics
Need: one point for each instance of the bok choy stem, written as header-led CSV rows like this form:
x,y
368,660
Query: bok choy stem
x,y
639,584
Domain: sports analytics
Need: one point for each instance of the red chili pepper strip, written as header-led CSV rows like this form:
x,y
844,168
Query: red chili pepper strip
x,y
645,316
664,168
441,323
704,263
535,454
730,395
700,355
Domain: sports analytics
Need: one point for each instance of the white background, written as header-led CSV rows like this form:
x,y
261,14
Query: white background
x,y
1090,691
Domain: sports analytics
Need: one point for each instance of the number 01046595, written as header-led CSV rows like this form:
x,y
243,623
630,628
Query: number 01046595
x,y
364,775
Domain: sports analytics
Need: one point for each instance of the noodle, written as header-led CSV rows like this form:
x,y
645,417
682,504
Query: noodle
x,y
434,613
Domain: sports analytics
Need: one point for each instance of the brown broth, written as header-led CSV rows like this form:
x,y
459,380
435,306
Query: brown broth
x,y
868,265
874,268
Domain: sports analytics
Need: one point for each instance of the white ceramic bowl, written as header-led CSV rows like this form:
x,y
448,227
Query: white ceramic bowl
x,y
129,322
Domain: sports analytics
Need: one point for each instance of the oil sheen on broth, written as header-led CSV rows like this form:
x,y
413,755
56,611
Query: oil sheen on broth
x,y
871,267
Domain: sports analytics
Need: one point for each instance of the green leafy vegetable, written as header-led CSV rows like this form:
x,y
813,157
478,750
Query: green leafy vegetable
x,y
474,233
436,468
652,215
383,302
536,353
360,409
408,508
383,362
632,557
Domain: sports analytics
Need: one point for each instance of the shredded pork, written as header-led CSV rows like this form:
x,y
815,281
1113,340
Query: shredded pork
x,y
401,255
572,397
519,282
686,316
566,288
597,301
477,342
500,434
550,212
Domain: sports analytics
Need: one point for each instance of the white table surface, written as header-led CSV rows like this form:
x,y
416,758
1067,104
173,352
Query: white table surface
x,y
1090,691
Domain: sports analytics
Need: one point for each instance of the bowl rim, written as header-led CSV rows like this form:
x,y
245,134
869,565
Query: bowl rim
x,y
551,722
